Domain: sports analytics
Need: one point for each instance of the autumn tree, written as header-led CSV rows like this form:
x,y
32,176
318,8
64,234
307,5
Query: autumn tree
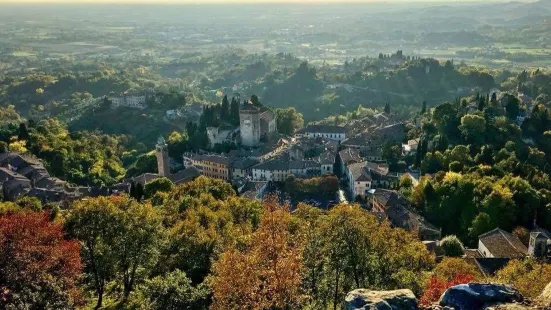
x,y
267,274
529,276
39,268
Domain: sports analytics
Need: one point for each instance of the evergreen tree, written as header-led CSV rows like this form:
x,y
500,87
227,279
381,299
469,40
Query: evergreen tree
x,y
494,98
424,108
234,111
225,109
255,100
139,192
387,107
23,132
481,103
133,190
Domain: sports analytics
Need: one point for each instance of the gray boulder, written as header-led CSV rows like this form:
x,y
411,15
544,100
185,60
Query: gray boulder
x,y
362,299
475,296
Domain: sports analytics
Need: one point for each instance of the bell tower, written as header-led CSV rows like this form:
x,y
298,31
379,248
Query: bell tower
x,y
163,162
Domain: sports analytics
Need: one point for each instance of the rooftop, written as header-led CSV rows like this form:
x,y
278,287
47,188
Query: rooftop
x,y
503,244
324,129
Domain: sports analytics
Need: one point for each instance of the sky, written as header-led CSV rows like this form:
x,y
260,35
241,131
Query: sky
x,y
223,1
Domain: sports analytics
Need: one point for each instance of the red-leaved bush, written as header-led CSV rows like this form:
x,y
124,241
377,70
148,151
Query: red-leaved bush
x,y
436,287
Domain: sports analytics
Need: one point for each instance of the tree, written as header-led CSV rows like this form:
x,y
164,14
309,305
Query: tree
x,y
288,120
174,291
473,128
3,147
23,132
482,223
139,192
39,268
512,107
267,274
255,100
96,224
424,108
158,185
529,276
387,108
234,111
225,110
120,238
522,234
452,246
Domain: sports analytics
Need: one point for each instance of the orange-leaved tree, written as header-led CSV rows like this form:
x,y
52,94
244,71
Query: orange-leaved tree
x,y
39,268
267,273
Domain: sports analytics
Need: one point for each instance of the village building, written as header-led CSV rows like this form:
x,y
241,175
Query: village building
x,y
411,147
346,157
279,169
359,179
219,135
210,165
396,208
498,243
129,99
540,242
336,133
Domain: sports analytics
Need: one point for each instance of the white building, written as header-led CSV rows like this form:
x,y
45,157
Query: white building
x,y
359,179
129,99
336,133
278,170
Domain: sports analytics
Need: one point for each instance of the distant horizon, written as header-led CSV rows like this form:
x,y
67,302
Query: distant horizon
x,y
246,1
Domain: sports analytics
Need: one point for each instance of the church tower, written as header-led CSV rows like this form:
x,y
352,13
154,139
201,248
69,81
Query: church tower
x,y
163,163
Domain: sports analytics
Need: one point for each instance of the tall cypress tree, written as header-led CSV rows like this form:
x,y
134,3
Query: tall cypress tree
x,y
234,111
225,109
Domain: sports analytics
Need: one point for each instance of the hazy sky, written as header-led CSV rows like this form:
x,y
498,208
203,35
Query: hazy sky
x,y
220,1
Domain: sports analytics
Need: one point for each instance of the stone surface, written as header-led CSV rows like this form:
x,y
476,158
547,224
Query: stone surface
x,y
475,296
545,297
362,299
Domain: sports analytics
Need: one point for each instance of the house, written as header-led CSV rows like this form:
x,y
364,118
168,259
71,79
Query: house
x,y
396,208
411,147
210,165
241,167
359,141
13,184
395,133
336,133
359,179
540,242
327,162
498,243
346,157
129,99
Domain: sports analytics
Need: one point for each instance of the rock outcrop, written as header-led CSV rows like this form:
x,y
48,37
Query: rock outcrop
x,y
475,296
362,299
545,297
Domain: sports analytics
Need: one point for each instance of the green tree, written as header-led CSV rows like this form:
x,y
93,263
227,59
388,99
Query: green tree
x,y
288,120
225,110
174,291
452,246
482,223
158,185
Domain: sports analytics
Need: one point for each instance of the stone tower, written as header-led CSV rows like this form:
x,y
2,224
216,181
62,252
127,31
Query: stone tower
x,y
249,124
163,163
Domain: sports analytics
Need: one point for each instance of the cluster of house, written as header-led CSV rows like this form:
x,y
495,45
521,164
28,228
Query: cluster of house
x,y
25,176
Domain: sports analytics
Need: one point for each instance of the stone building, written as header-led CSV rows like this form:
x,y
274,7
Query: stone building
x,y
249,124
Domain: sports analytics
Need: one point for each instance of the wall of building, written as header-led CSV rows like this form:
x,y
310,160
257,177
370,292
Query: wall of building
x,y
331,136
249,127
483,250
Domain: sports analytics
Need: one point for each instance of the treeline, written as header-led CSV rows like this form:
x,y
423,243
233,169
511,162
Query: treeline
x,y
199,246
484,171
